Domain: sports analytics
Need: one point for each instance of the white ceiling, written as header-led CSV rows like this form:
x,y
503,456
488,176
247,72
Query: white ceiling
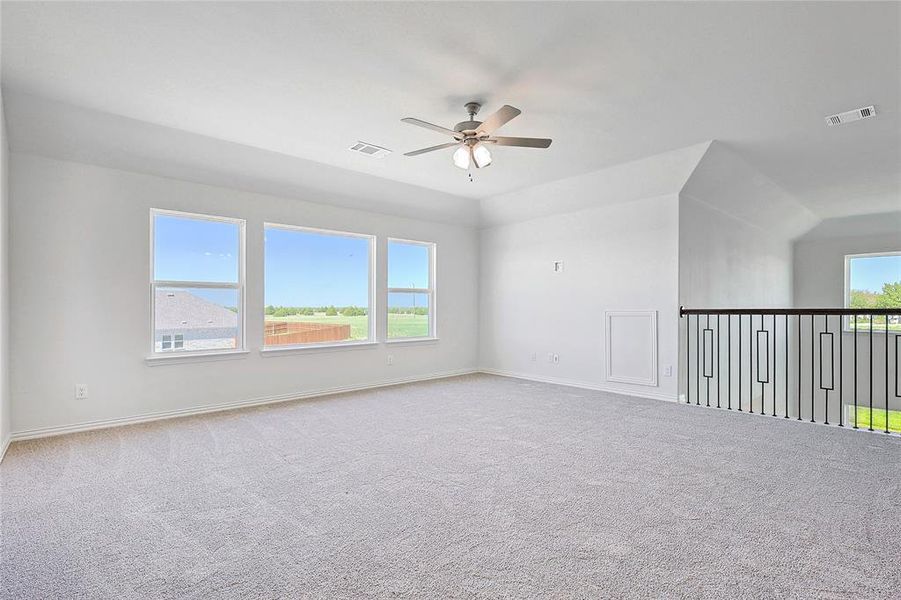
x,y
610,82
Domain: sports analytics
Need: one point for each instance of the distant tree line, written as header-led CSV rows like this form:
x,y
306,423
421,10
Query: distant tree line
x,y
334,311
889,297
408,310
309,311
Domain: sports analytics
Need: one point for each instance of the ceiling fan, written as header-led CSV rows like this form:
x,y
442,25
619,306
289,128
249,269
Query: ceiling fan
x,y
472,138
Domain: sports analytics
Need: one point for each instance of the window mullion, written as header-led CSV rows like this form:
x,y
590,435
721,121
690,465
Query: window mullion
x,y
197,284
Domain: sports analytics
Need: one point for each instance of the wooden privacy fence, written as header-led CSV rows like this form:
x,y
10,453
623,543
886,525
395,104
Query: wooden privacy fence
x,y
280,333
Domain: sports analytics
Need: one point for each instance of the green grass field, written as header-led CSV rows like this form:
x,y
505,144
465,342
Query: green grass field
x,y
399,326
894,419
863,325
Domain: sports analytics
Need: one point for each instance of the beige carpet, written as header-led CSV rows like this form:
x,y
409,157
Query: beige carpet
x,y
473,487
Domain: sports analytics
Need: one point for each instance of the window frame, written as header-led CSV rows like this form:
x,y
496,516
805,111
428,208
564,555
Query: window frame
x,y
846,321
165,283
430,291
371,312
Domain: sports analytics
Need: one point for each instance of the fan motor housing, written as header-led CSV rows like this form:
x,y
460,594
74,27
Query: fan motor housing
x,y
467,126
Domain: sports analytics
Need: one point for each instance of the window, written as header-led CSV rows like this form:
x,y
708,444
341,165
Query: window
x,y
197,286
411,289
873,281
318,287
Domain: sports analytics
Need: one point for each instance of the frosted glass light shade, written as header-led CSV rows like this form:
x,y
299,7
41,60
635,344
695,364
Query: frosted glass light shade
x,y
481,156
461,157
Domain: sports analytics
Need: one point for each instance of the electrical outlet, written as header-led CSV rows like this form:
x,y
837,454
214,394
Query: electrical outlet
x,y
390,359
556,359
81,391
550,357
668,371
534,357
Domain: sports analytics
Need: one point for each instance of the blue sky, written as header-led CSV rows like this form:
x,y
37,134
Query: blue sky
x,y
195,250
869,273
408,265
302,268
310,269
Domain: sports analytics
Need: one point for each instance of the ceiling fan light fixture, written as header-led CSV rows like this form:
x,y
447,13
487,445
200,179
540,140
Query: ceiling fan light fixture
x,y
481,156
472,138
461,157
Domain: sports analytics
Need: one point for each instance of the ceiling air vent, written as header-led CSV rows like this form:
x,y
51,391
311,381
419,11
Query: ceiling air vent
x,y
852,115
371,150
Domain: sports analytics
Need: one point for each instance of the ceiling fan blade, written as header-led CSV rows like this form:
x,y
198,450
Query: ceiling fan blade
x,y
522,142
432,126
498,119
432,149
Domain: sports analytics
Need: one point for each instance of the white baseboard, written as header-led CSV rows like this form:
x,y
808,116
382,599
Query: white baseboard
x,y
198,410
4,446
584,385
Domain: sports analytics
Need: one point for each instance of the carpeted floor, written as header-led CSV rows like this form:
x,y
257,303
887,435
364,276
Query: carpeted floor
x,y
473,487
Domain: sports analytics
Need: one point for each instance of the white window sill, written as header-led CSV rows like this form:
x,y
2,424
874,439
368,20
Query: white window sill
x,y
175,358
313,348
421,340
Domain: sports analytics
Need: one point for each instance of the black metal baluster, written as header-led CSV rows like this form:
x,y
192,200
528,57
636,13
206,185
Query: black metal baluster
x,y
855,371
688,358
812,387
719,385
897,349
786,366
729,361
706,329
766,344
774,365
765,363
799,367
750,363
826,330
831,366
886,373
697,364
841,369
739,363
871,372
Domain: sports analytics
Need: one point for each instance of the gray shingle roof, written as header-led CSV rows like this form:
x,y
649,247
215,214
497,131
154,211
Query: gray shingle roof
x,y
178,309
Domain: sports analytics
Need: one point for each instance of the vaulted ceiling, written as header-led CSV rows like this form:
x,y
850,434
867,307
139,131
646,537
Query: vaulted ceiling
x,y
609,82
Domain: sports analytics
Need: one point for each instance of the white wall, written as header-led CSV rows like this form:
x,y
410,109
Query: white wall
x,y
616,230
5,401
735,235
80,261
616,257
725,262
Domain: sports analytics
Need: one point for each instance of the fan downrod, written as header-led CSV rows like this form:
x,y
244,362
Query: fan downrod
x,y
471,125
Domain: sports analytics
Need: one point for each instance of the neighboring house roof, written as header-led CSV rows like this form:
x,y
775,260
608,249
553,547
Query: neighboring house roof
x,y
176,309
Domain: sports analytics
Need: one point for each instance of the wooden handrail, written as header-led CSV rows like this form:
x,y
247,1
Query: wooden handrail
x,y
790,311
